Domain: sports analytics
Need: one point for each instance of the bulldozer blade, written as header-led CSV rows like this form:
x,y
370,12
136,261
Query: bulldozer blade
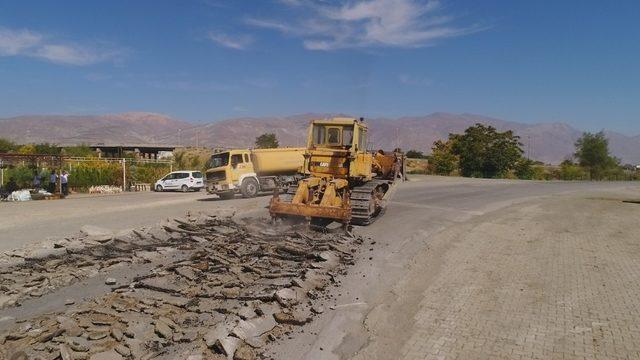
x,y
341,214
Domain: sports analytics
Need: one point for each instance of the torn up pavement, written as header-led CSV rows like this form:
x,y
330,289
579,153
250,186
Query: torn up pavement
x,y
203,287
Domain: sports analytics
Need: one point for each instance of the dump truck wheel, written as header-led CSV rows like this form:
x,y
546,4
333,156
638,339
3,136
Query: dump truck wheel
x,y
249,188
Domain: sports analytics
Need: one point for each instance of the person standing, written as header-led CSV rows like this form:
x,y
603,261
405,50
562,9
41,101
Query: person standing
x,y
64,181
53,178
37,180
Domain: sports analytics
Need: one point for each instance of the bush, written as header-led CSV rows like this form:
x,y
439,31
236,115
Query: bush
x,y
83,175
23,175
148,173
415,154
570,171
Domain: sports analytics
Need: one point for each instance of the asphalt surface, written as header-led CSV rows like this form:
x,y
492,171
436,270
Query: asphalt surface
x,y
373,316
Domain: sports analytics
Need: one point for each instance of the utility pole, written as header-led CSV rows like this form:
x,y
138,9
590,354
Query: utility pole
x,y
180,137
124,174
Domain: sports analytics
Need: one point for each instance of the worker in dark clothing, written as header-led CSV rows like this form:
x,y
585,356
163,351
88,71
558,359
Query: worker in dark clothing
x,y
11,186
53,178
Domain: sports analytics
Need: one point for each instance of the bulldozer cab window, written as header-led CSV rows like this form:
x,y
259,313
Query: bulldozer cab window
x,y
246,158
333,136
318,134
347,136
362,139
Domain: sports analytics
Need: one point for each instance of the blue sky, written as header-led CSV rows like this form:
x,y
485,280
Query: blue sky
x,y
530,61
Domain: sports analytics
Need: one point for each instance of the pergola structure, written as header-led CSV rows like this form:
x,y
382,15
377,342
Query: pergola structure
x,y
52,161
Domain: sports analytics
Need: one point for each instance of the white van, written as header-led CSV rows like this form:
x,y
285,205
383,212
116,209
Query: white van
x,y
181,180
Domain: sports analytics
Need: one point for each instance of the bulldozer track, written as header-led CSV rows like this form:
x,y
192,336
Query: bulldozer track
x,y
363,211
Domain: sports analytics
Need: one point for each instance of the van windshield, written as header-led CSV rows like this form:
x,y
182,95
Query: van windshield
x,y
217,160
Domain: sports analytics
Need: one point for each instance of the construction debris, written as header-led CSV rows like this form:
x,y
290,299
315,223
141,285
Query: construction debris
x,y
206,287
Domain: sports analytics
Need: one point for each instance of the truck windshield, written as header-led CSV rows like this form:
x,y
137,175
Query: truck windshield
x,y
218,160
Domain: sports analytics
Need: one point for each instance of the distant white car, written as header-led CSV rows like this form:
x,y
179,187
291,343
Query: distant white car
x,y
181,180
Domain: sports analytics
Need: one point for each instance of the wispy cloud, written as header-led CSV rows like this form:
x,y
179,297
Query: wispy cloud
x,y
238,42
368,23
37,45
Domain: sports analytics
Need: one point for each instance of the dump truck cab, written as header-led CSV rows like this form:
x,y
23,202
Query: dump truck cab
x,y
227,169
248,171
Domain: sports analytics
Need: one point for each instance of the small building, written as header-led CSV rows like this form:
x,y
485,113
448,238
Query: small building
x,y
153,152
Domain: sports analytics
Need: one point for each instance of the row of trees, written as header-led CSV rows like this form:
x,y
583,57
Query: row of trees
x,y
7,146
482,151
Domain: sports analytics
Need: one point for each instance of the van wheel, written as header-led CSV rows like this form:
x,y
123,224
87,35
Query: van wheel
x,y
184,188
249,188
159,188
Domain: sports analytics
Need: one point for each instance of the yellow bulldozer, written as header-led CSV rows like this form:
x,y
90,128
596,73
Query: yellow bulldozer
x,y
345,183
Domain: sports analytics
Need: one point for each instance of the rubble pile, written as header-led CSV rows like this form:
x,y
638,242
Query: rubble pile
x,y
213,288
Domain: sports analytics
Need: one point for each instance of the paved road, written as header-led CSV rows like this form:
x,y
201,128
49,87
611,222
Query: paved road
x,y
456,268
486,269
34,221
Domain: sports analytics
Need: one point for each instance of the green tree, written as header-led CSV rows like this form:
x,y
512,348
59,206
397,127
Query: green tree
x,y
415,154
592,153
524,169
6,145
442,159
79,151
267,141
48,149
27,149
485,152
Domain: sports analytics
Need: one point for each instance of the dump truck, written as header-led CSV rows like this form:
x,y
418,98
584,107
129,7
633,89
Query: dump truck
x,y
346,182
250,171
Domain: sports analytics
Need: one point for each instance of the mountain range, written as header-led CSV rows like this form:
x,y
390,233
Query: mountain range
x,y
548,142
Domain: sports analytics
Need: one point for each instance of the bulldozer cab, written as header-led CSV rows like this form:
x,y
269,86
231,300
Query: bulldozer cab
x,y
340,133
336,148
345,183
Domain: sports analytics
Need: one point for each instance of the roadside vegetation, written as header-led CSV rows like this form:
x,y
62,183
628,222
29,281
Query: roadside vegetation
x,y
83,173
482,151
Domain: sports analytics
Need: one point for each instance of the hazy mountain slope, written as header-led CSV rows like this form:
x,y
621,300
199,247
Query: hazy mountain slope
x,y
127,128
547,142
